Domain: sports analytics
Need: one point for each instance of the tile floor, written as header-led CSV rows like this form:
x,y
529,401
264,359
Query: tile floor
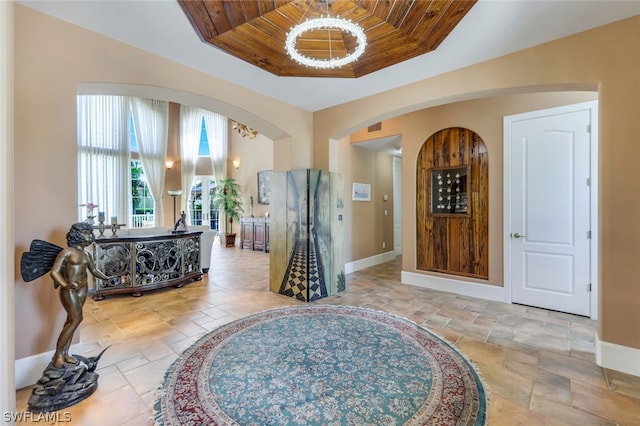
x,y
539,365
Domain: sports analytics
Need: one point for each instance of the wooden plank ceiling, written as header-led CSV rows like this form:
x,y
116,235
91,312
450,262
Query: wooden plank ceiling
x,y
255,31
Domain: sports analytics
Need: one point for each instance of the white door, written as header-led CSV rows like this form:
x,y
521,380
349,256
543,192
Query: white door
x,y
548,225
199,201
397,206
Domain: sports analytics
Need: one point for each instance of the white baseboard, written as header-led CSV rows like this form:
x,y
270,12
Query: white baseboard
x,y
465,288
367,262
29,370
617,357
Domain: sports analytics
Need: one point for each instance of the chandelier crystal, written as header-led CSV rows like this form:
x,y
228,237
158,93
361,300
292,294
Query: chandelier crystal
x,y
325,22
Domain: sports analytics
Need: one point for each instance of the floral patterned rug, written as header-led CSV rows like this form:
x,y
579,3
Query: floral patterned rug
x,y
321,365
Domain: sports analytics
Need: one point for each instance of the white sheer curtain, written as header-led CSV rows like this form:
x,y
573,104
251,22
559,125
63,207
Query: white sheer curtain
x,y
218,135
217,131
103,155
151,121
190,129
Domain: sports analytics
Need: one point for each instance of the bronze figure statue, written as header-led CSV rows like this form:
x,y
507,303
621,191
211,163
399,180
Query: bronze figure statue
x,y
68,379
181,224
69,272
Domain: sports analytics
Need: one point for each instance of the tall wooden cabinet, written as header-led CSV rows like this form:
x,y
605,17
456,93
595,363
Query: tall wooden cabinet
x,y
254,233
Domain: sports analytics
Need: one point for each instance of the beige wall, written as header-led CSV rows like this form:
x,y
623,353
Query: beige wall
x,y
53,61
7,329
366,225
606,59
483,116
172,177
254,155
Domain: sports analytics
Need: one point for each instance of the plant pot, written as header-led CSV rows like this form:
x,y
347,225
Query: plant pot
x,y
230,240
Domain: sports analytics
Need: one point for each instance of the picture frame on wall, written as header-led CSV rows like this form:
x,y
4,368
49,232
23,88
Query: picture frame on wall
x,y
264,186
361,192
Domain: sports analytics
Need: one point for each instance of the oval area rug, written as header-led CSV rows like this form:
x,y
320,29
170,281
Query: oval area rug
x,y
321,365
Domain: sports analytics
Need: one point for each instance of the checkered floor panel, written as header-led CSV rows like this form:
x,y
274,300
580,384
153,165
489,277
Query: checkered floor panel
x,y
297,282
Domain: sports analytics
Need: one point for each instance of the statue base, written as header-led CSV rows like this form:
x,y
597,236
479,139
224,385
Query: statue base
x,y
61,387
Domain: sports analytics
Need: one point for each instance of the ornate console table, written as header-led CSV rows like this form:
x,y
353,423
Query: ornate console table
x,y
146,262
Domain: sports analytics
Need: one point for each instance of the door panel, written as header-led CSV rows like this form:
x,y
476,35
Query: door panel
x,y
549,273
548,161
550,212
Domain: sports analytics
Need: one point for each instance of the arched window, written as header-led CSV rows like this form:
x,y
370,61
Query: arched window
x,y
120,163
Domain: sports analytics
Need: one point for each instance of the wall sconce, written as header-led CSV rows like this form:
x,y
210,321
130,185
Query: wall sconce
x,y
169,164
236,164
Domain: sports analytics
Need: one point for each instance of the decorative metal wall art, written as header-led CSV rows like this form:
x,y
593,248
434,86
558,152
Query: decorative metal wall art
x,y
244,130
449,189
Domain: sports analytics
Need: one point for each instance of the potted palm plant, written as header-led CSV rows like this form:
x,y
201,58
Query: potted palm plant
x,y
227,198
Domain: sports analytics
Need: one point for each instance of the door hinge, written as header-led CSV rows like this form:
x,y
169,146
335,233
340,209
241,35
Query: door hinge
x,y
589,287
588,235
588,128
588,181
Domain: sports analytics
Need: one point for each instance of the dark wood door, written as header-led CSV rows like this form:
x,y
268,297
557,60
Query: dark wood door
x,y
259,236
246,234
266,237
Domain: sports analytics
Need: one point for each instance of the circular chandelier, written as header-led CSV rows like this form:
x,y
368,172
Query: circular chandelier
x,y
328,23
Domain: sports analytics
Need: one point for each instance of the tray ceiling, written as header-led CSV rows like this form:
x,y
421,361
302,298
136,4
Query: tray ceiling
x,y
255,31
490,29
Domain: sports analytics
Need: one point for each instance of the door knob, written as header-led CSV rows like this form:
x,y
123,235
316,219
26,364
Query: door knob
x,y
517,235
